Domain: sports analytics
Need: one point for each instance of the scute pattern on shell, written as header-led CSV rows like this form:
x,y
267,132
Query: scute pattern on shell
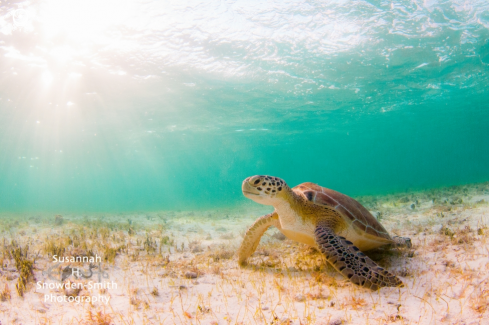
x,y
361,218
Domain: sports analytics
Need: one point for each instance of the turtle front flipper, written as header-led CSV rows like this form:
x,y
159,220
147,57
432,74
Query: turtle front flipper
x,y
351,262
253,235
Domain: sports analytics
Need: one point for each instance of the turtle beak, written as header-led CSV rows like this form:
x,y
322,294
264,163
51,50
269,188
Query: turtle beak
x,y
263,189
249,186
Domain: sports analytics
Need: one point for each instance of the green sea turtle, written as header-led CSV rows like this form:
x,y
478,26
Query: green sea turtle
x,y
336,224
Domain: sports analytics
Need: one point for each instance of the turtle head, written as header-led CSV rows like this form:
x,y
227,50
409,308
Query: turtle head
x,y
264,189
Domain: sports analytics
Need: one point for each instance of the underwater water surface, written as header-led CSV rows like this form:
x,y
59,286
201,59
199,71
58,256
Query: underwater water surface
x,y
145,105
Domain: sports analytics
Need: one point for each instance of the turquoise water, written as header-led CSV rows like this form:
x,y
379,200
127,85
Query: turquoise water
x,y
146,105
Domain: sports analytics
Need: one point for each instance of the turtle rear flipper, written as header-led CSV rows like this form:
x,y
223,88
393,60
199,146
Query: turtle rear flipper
x,y
351,262
253,235
402,241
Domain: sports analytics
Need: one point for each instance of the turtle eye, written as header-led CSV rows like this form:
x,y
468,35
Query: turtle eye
x,y
256,181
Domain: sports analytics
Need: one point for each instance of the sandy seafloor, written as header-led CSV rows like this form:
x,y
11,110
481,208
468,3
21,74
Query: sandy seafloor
x,y
180,267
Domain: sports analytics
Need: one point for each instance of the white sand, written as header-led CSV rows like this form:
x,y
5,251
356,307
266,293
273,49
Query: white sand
x,y
446,274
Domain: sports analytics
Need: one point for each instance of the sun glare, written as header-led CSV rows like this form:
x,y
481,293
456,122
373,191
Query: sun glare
x,y
69,31
47,78
82,20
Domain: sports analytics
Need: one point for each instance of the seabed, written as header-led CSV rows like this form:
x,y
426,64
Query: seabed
x,y
180,268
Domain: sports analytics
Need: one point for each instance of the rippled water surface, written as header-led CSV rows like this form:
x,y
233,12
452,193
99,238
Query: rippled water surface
x,y
141,105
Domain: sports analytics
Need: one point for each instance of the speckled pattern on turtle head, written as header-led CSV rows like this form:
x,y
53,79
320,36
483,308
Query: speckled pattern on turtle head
x,y
334,223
